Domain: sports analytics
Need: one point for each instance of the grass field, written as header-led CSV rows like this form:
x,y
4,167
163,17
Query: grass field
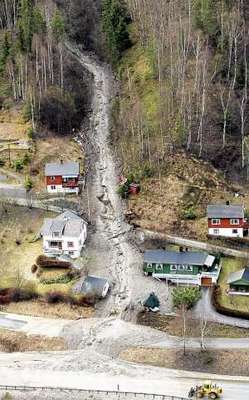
x,y
234,302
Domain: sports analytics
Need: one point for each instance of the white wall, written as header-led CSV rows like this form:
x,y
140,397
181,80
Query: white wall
x,y
226,232
60,189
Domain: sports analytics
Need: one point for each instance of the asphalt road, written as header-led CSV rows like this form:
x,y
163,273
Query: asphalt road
x,y
11,323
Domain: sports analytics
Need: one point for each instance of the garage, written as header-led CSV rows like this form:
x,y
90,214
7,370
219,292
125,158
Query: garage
x,y
206,281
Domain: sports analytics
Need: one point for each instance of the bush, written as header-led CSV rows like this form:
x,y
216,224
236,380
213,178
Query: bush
x,y
65,278
47,262
55,297
189,213
26,159
18,165
34,268
28,184
16,295
30,133
123,190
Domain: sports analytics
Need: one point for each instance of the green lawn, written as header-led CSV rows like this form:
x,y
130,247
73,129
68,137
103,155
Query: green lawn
x,y
230,264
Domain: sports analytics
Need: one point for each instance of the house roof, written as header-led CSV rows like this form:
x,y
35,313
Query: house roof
x,y
238,275
92,285
173,257
70,168
66,224
225,211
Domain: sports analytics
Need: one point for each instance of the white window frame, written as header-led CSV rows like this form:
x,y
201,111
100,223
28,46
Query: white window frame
x,y
70,245
234,221
53,187
159,267
216,231
52,178
215,221
173,267
233,231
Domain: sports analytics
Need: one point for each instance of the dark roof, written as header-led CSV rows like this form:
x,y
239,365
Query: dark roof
x,y
225,211
93,285
238,275
173,257
70,168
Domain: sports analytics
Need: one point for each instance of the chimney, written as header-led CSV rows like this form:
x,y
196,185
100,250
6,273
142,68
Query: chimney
x,y
228,203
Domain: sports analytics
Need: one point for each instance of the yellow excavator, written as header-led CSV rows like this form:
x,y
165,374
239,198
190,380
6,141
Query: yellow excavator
x,y
208,389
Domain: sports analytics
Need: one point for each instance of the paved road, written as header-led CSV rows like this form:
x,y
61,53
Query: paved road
x,y
153,380
211,314
33,325
12,191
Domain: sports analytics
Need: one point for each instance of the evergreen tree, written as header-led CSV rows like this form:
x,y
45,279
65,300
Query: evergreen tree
x,y
26,25
115,20
5,51
58,26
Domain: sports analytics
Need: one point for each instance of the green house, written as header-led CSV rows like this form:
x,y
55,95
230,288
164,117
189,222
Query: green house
x,y
184,267
239,281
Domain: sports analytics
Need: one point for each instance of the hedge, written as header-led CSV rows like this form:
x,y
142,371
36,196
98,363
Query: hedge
x,y
47,262
16,295
224,310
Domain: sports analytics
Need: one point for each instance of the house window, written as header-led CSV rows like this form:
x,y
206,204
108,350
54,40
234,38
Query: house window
x,y
149,265
181,267
189,268
53,244
70,244
56,234
53,187
216,231
71,253
52,178
234,221
235,231
159,267
215,221
173,267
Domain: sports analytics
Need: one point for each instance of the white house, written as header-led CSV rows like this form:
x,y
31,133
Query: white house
x,y
65,234
226,220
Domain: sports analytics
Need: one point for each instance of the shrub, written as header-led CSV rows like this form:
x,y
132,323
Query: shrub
x,y
34,268
47,262
55,297
123,190
26,159
30,133
16,295
28,184
18,165
189,213
65,278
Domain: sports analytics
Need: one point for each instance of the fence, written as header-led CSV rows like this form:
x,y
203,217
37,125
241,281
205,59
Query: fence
x,y
146,234
138,395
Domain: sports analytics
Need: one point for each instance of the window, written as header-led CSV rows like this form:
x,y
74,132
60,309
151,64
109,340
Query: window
x,y
71,253
52,178
56,234
173,267
234,221
181,267
53,244
215,221
159,267
53,187
216,231
70,244
189,268
235,231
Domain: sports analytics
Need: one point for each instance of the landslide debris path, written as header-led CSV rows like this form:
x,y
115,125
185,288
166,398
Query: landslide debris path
x,y
114,252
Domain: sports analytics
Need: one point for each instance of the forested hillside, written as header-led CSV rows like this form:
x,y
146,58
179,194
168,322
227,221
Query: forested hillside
x,y
35,69
185,82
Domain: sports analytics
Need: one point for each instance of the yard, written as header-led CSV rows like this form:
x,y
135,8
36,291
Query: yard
x,y
22,156
229,265
175,202
19,249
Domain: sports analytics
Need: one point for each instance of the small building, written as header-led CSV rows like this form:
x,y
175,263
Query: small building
x,y
226,220
64,235
238,281
93,286
62,177
185,267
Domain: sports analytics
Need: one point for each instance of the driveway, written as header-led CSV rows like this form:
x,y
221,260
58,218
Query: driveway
x,y
205,308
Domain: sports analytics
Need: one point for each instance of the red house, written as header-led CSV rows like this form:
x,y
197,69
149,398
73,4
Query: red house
x,y
62,177
226,220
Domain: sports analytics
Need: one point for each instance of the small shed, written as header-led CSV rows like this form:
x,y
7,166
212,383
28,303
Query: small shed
x,y
93,286
152,303
239,280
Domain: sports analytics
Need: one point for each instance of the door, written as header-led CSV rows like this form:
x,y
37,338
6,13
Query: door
x,y
206,281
